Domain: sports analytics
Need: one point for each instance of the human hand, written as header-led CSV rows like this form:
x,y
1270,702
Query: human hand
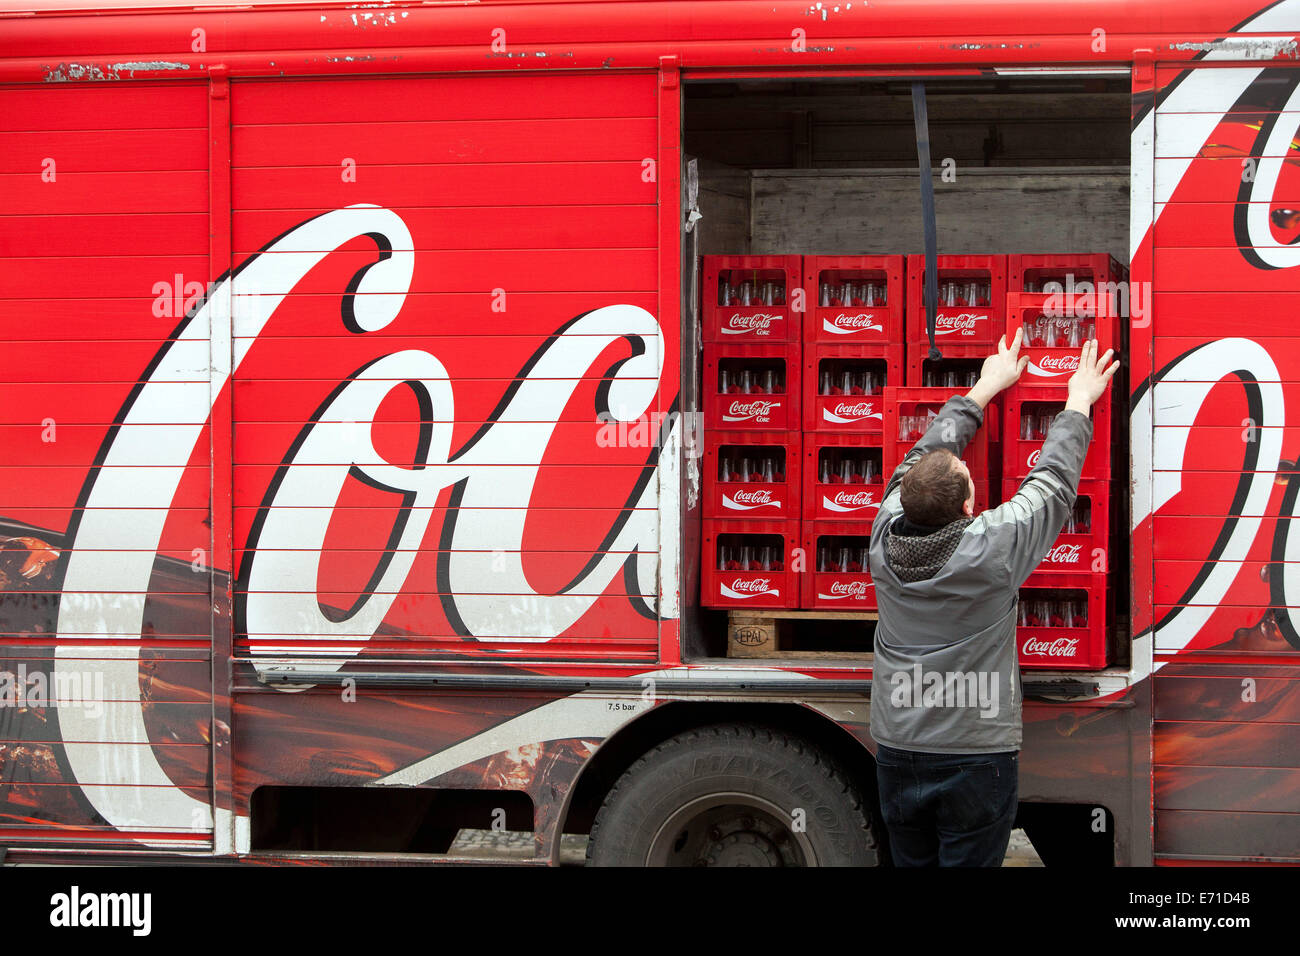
x,y
1088,384
1001,370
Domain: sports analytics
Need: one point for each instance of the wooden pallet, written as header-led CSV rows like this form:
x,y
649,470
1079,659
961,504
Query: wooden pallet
x,y
759,633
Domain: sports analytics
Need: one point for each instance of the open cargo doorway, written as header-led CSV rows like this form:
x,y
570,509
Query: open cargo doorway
x,y
1026,163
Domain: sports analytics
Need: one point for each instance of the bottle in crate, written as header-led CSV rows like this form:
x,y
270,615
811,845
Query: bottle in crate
x,y
844,386
751,387
970,303
1061,621
1055,329
839,573
1085,272
854,300
843,478
749,564
752,474
749,299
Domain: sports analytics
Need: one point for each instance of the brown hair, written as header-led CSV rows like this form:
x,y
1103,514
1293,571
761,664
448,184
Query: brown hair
x,y
933,490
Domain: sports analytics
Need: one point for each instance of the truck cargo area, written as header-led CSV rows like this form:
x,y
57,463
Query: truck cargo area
x,y
1024,163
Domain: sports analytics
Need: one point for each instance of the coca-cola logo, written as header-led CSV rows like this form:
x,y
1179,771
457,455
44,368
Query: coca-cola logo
x,y
845,324
846,413
744,411
1033,457
760,323
1057,647
851,500
750,586
125,508
858,410
1052,365
748,500
1065,554
843,589
963,323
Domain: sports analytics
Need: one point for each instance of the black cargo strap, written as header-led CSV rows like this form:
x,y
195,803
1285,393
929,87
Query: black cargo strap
x,y
931,291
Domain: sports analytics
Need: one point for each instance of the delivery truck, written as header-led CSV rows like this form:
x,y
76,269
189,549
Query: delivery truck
x,y
427,418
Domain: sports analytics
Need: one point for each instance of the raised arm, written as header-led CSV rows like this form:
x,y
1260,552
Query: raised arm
x,y
1033,517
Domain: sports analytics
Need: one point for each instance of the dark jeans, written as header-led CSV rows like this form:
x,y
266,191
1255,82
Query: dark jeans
x,y
947,809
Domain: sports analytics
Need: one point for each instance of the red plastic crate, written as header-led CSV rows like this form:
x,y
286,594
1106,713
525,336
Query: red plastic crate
x,y
858,413
1025,270
1047,647
743,587
854,321
749,498
901,403
1019,454
1049,323
837,590
762,411
1079,552
726,320
826,496
960,324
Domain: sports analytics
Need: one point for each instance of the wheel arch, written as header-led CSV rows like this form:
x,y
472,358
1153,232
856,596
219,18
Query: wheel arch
x,y
631,741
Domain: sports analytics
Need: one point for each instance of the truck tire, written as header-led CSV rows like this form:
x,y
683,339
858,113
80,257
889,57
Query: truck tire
x,y
734,795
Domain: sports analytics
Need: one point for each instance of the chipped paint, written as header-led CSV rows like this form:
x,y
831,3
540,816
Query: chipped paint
x,y
985,46
825,10
536,53
374,19
66,72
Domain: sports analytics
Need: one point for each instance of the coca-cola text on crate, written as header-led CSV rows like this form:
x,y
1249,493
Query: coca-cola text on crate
x,y
970,306
854,300
838,577
1028,412
751,387
1083,546
750,299
752,475
843,477
749,564
843,386
1061,621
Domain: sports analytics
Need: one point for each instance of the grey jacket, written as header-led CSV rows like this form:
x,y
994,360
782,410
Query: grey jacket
x,y
946,677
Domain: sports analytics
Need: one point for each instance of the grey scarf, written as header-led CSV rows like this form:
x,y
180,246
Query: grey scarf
x,y
919,557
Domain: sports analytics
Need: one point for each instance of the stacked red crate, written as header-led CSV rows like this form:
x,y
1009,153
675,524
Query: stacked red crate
x,y
968,321
1065,604
838,577
843,478
854,300
853,349
750,299
1035,273
752,455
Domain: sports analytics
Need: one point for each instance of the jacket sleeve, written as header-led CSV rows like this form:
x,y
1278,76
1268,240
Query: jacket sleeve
x,y
1024,526
952,428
